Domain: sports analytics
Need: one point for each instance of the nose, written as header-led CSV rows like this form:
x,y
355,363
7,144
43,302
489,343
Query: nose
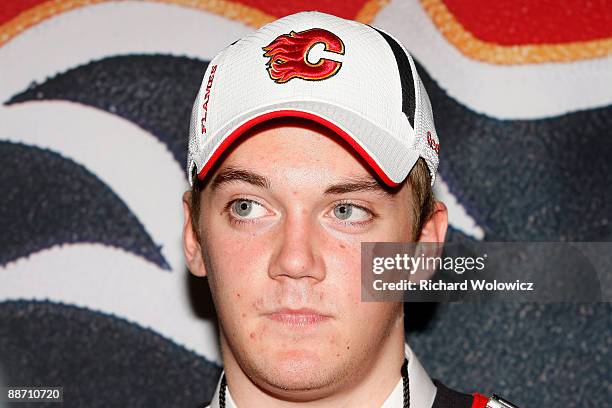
x,y
297,254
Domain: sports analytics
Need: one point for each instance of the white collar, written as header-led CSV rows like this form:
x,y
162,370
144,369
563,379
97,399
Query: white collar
x,y
422,389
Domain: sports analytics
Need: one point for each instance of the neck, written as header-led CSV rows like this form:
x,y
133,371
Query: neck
x,y
369,386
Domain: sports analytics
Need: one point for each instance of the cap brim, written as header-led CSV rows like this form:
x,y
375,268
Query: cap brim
x,y
390,158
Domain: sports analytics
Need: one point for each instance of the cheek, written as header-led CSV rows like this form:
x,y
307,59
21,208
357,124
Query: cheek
x,y
376,319
396,227
342,263
342,254
238,269
238,286
233,254
342,257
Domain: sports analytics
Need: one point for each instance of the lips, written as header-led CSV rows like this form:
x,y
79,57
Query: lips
x,y
298,317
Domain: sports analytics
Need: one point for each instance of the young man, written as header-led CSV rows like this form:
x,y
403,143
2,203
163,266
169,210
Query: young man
x,y
308,137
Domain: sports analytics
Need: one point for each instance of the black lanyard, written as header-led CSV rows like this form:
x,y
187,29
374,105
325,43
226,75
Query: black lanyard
x,y
405,383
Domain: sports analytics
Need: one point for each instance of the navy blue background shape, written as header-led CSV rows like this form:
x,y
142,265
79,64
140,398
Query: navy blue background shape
x,y
50,200
100,360
546,179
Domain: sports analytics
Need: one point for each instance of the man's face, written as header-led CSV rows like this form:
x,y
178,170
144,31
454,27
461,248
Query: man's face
x,y
282,220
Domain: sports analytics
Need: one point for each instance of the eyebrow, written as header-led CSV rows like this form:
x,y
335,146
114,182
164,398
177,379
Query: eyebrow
x,y
356,185
350,185
233,174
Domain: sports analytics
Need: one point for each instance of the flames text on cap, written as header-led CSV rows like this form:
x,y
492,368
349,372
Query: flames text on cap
x,y
211,77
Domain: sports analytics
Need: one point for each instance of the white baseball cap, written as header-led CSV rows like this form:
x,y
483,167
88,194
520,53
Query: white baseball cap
x,y
352,78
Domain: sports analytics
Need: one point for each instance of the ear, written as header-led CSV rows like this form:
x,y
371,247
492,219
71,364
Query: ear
x,y
435,227
191,244
434,231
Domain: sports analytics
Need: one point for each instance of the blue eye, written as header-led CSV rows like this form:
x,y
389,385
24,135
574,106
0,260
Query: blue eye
x,y
247,209
351,212
343,211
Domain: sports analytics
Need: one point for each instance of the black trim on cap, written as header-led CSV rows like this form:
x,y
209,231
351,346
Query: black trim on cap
x,y
405,73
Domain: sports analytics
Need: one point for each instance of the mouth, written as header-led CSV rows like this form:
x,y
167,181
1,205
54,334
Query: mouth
x,y
298,317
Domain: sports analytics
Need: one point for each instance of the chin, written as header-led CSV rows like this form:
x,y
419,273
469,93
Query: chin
x,y
297,370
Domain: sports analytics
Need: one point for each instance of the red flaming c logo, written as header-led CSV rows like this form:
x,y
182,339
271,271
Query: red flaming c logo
x,y
288,55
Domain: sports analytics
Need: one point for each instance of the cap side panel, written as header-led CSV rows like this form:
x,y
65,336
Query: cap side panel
x,y
196,141
193,146
405,70
294,113
426,138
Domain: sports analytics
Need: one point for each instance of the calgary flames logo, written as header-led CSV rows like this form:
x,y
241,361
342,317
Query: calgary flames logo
x,y
289,54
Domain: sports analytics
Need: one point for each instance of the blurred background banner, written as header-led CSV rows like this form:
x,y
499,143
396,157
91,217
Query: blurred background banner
x,y
95,106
